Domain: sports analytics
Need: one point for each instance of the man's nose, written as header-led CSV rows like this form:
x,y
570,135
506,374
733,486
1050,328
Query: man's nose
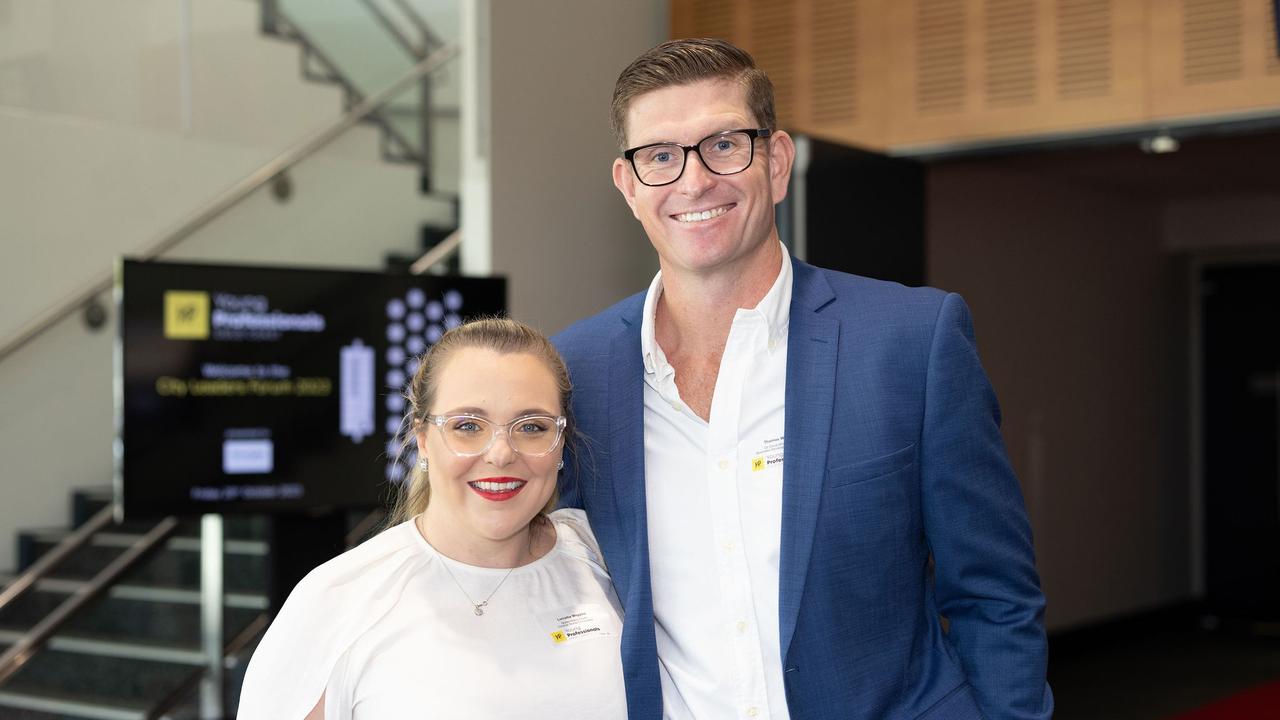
x,y
696,178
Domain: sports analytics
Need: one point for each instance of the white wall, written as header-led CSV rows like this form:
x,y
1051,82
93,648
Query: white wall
x,y
557,227
104,152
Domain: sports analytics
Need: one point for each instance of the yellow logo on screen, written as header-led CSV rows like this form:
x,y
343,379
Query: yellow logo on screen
x,y
559,637
757,463
186,315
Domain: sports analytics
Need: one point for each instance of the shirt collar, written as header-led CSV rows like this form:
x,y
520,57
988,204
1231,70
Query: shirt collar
x,y
775,307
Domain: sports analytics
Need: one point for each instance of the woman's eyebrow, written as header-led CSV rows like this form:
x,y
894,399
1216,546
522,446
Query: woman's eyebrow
x,y
482,413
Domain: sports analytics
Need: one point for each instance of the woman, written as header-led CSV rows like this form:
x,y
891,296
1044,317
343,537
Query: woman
x,y
478,602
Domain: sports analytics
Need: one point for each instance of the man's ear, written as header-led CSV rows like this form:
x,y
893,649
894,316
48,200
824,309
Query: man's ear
x,y
782,155
625,181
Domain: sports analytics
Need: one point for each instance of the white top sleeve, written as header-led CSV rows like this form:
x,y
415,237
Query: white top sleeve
x,y
332,606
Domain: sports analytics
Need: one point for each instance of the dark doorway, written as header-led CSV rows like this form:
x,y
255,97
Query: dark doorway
x,y
1241,377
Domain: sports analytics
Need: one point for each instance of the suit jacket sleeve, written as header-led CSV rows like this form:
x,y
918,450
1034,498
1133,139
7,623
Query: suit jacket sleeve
x,y
977,528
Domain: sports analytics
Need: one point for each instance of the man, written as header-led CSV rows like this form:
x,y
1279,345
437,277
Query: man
x,y
792,472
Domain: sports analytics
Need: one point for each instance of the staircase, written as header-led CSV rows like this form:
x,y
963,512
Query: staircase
x,y
364,45
138,645
133,650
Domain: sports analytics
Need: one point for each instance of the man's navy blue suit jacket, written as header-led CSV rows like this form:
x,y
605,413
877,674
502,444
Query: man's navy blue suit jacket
x,y
893,454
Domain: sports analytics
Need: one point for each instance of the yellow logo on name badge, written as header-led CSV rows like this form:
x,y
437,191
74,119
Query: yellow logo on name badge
x,y
559,637
757,463
186,315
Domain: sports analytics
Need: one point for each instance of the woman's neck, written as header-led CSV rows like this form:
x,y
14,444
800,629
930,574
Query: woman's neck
x,y
524,547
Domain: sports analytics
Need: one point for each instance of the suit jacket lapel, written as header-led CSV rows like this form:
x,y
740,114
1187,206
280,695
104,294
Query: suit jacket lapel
x,y
626,453
810,397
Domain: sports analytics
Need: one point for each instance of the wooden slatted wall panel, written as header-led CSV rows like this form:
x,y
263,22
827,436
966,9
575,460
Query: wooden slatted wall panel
x,y
911,73
1212,57
846,71
1269,47
967,70
826,58
772,40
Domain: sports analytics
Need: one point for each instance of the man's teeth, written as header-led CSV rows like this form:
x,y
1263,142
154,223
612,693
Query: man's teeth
x,y
704,215
497,486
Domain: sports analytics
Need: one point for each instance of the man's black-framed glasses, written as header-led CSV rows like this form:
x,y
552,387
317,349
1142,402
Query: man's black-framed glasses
x,y
724,153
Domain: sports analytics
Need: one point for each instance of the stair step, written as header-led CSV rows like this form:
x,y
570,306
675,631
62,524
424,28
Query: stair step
x,y
177,565
31,706
113,648
109,684
123,619
152,593
124,538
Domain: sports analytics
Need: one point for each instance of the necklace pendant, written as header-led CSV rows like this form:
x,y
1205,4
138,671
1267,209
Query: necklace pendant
x,y
480,607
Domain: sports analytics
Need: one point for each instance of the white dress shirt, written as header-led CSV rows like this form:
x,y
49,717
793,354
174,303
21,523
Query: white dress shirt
x,y
714,500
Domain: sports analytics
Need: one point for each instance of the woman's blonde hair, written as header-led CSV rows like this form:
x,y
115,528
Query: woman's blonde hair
x,y
501,335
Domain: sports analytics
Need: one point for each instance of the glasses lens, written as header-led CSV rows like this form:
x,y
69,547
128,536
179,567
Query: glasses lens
x,y
726,153
467,435
658,164
534,435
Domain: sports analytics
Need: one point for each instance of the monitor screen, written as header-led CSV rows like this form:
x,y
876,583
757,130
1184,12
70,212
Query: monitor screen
x,y
259,389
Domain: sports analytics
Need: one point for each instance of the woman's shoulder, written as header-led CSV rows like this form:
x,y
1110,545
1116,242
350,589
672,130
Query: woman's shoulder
x,y
575,538
383,552
331,607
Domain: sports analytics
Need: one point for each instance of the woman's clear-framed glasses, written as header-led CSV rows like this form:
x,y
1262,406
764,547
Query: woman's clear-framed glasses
x,y
470,435
724,153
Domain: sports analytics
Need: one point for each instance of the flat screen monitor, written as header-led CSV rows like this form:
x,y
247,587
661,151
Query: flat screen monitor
x,y
258,389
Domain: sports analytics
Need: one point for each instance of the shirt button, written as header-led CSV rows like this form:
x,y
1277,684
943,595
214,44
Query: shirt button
x,y
728,547
675,406
742,626
773,344
752,711
724,464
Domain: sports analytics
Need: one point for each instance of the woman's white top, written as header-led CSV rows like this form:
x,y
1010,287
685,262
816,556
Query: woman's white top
x,y
384,632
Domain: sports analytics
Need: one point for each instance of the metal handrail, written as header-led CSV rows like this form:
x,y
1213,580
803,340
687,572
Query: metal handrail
x,y
26,646
335,74
430,39
255,629
55,555
357,534
235,646
232,196
393,30
437,254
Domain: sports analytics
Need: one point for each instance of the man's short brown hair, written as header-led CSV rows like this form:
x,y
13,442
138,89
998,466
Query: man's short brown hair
x,y
680,62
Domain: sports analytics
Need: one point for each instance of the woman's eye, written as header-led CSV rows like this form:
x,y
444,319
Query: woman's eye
x,y
466,426
530,427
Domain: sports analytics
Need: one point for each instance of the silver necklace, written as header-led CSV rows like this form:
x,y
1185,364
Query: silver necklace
x,y
479,606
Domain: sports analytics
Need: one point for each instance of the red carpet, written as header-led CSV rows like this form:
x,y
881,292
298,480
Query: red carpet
x,y
1257,703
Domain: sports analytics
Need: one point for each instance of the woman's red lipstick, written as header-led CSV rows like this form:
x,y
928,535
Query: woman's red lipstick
x,y
497,488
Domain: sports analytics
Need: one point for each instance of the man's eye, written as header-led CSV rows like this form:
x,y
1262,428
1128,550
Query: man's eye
x,y
662,157
724,145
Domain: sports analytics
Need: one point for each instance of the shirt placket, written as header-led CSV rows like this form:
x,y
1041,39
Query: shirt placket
x,y
748,331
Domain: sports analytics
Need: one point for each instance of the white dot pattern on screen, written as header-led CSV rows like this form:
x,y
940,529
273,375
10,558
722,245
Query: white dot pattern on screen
x,y
415,323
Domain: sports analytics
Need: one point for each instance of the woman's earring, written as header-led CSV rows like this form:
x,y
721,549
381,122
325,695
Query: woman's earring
x,y
422,465
560,465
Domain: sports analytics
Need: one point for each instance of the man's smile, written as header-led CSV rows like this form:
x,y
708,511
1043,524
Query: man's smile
x,y
701,215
